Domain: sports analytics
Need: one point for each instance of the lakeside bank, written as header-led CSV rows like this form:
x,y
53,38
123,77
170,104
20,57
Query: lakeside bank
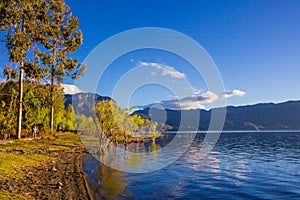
x,y
48,168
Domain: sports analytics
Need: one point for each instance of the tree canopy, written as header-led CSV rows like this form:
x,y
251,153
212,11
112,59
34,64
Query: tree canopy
x,y
40,37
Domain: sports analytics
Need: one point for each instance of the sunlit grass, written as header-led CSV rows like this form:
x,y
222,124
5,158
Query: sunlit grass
x,y
10,196
12,164
67,140
20,154
17,155
51,143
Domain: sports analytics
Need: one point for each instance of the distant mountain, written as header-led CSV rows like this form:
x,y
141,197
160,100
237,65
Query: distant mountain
x,y
267,116
83,103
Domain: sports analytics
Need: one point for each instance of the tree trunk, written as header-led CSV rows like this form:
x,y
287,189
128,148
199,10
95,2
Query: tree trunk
x,y
19,125
52,89
52,105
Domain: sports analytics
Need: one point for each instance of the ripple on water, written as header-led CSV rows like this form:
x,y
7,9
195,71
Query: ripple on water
x,y
241,166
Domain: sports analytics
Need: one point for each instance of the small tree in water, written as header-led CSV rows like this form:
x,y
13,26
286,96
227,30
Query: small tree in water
x,y
119,126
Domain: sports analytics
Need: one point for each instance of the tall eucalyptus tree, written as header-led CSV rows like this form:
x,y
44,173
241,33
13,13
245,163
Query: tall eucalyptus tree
x,y
21,20
41,32
61,38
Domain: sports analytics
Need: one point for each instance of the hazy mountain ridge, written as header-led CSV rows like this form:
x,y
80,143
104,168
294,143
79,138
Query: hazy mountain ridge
x,y
264,116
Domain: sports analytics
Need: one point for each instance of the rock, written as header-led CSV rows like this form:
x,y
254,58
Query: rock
x,y
53,169
59,185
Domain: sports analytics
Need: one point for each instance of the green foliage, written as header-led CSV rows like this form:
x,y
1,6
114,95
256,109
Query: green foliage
x,y
22,20
40,36
8,112
119,126
36,109
60,36
116,123
85,125
10,73
66,120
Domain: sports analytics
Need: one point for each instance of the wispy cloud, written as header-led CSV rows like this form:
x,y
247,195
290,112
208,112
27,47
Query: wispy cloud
x,y
231,93
164,69
188,103
196,101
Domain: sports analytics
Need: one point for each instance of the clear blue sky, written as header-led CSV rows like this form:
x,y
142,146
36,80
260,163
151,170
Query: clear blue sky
x,y
255,44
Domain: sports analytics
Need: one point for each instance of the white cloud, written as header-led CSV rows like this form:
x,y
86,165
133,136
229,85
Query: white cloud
x,y
232,93
68,88
71,89
188,103
164,69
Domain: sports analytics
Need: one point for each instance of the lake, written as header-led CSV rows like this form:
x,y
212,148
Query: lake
x,y
248,165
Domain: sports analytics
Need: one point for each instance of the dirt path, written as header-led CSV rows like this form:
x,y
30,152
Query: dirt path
x,y
59,179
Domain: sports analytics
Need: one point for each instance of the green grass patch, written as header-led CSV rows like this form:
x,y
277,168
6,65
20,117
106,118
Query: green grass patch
x,y
67,140
12,164
10,196
52,143
20,154
22,145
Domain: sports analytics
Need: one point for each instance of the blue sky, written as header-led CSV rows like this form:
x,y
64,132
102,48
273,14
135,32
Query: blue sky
x,y
255,44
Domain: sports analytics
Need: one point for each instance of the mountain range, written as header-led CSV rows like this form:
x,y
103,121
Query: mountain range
x,y
83,103
264,116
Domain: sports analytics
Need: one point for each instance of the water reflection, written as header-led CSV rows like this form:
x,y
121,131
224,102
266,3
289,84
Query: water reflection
x,y
109,183
247,165
144,158
113,182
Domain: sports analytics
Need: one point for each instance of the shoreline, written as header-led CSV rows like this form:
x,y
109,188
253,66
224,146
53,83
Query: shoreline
x,y
55,170
85,178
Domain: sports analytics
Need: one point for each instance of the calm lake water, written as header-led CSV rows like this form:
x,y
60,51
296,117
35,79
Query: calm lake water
x,y
241,166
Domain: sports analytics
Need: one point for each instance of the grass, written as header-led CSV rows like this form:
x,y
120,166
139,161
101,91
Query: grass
x,y
10,196
51,143
67,140
12,165
16,156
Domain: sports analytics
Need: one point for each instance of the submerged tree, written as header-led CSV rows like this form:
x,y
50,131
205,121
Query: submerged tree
x,y
119,126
